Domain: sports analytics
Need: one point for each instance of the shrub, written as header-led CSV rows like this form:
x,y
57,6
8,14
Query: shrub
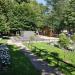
x,y
32,38
64,40
4,57
73,37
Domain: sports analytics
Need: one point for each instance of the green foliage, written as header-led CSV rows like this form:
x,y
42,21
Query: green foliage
x,y
20,64
73,37
32,38
29,15
21,14
3,41
20,1
55,57
62,13
64,40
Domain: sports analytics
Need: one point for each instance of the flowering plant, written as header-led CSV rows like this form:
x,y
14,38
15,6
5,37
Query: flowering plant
x,y
4,56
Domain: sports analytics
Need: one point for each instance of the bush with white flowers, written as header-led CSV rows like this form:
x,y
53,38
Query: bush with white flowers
x,y
4,56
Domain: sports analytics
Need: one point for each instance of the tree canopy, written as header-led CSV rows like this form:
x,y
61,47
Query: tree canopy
x,y
30,15
62,14
21,14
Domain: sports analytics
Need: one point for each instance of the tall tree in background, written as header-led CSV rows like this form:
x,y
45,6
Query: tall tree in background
x,y
63,12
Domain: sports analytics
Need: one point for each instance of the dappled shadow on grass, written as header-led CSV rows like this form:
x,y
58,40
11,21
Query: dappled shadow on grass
x,y
55,61
5,37
2,44
20,64
62,65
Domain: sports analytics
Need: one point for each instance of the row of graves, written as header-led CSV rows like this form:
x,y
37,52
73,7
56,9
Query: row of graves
x,y
4,58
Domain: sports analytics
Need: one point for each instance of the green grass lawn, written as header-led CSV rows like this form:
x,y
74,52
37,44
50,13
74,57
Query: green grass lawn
x,y
63,59
3,41
20,64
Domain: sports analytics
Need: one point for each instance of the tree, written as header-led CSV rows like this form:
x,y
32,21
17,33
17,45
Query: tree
x,y
20,1
63,12
4,15
24,15
39,13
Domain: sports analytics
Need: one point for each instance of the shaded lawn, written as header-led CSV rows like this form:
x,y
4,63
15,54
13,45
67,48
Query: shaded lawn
x,y
3,41
20,64
64,60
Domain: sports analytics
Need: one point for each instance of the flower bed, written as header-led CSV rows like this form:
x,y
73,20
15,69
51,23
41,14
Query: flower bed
x,y
4,57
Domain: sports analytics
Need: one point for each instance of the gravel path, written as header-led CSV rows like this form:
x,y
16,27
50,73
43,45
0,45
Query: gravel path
x,y
38,63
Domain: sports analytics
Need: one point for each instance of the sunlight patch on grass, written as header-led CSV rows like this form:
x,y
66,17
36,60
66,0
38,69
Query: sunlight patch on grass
x,y
64,60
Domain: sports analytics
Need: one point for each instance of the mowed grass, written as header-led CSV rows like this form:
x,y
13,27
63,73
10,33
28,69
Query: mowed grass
x,y
63,59
66,55
3,41
20,64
